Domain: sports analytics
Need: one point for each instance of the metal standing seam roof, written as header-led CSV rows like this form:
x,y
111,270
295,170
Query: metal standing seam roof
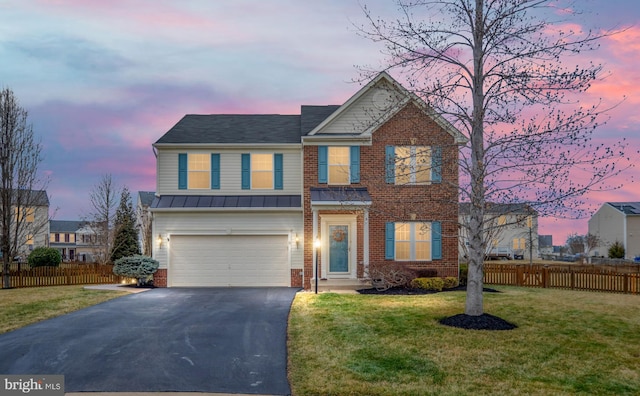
x,y
227,201
340,194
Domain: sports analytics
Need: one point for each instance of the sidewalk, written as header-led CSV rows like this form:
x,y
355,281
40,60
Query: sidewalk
x,y
118,287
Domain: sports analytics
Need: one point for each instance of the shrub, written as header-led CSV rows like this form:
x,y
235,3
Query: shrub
x,y
616,251
463,273
387,275
44,257
428,283
450,282
139,267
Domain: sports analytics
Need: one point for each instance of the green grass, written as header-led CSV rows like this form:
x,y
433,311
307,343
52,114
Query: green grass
x,y
566,343
21,307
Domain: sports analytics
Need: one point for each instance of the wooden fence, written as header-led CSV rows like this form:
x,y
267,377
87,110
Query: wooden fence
x,y
66,274
615,279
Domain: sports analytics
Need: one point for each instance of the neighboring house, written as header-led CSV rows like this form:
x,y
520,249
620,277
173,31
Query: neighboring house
x,y
62,236
143,220
74,240
617,221
512,231
545,244
34,227
241,199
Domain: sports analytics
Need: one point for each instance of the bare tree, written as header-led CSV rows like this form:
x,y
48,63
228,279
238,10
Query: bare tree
x,y
496,71
21,189
582,244
103,198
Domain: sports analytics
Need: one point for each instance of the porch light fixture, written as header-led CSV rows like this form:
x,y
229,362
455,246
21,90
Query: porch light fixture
x,y
316,245
297,241
159,240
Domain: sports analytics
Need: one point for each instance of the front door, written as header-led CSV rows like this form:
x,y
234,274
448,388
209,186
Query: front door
x,y
339,248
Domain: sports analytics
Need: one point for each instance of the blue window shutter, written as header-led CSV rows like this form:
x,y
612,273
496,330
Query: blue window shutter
x,y
355,164
182,171
246,171
323,159
277,172
215,171
436,164
436,240
390,164
390,241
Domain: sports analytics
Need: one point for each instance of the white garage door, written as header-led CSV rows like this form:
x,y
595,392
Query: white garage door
x,y
229,260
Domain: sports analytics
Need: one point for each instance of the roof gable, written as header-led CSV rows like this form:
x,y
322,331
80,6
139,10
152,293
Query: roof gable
x,y
373,105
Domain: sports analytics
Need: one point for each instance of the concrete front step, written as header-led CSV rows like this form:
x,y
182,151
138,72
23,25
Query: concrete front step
x,y
340,284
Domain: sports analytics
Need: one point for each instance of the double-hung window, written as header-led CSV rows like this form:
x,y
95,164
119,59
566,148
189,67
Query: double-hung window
x,y
262,171
198,171
413,165
338,165
413,241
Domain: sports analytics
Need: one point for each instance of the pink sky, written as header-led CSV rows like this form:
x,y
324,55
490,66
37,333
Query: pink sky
x,y
104,80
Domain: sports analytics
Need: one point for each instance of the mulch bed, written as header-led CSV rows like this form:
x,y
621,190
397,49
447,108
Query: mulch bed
x,y
463,321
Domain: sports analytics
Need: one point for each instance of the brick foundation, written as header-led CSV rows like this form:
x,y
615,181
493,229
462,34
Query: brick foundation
x,y
160,278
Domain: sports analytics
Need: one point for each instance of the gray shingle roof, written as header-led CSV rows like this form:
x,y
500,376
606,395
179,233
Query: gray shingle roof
x,y
65,225
227,201
234,128
630,208
312,116
247,128
146,197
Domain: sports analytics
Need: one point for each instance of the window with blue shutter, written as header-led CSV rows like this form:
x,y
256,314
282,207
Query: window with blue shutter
x,y
389,241
323,159
390,164
355,164
436,164
277,172
215,171
436,240
246,171
182,171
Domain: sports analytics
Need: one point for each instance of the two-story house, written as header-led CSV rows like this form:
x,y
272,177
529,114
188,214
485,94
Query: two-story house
x,y
617,222
74,239
261,199
511,231
31,219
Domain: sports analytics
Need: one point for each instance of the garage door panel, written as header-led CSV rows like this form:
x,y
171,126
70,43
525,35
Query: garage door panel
x,y
229,260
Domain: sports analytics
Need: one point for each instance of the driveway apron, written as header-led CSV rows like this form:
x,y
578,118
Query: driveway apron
x,y
218,340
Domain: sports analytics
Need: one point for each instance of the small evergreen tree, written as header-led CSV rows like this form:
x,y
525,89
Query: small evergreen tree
x,y
139,267
616,251
125,241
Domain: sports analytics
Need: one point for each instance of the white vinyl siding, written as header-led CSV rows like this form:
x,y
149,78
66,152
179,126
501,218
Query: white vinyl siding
x,y
230,172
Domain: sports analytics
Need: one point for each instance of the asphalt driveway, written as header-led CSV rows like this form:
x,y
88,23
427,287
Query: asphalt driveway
x,y
226,340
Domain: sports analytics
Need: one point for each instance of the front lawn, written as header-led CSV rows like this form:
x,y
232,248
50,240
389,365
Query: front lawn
x,y
24,306
566,342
